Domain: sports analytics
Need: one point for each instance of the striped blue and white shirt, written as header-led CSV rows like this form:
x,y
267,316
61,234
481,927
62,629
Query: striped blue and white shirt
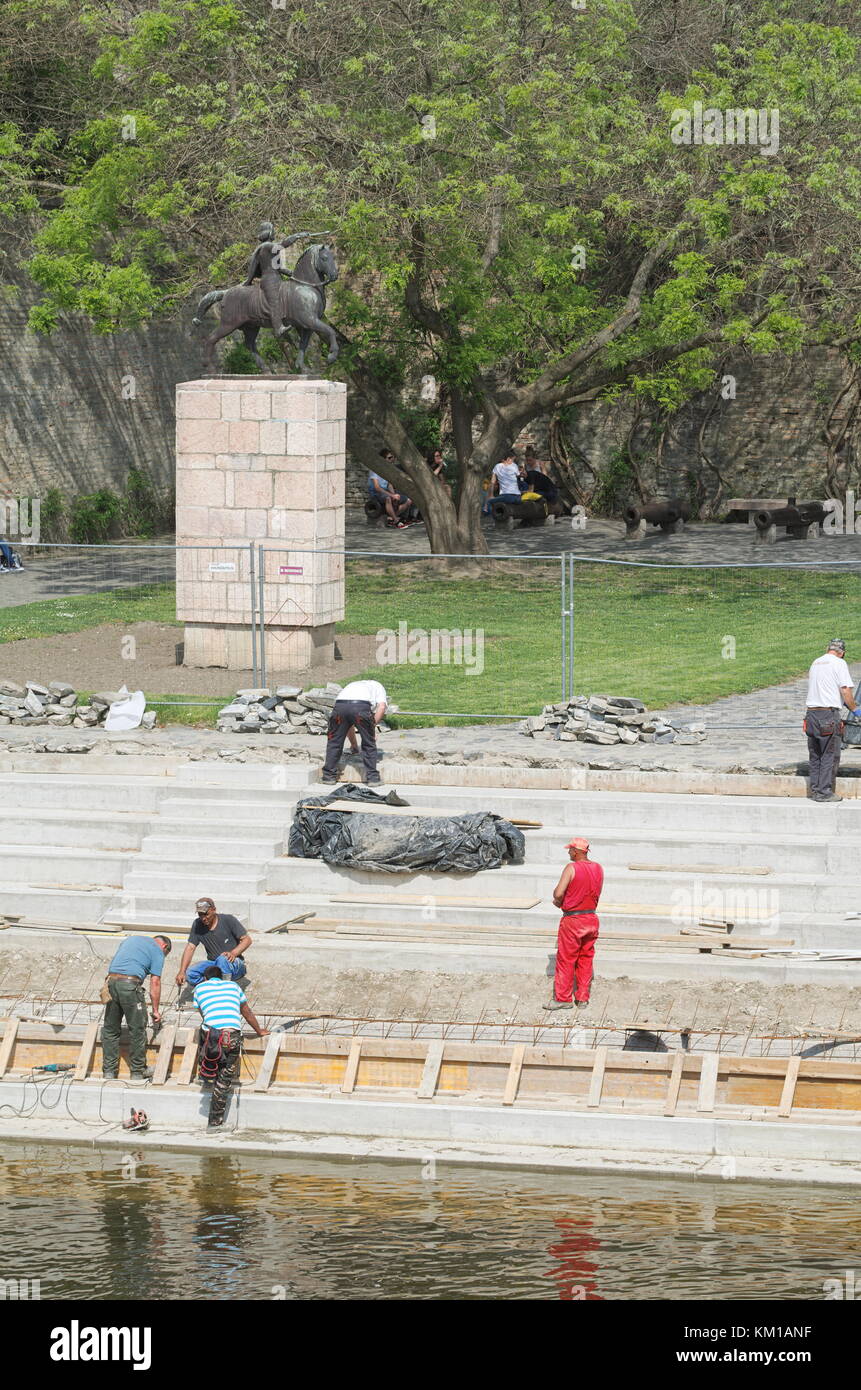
x,y
219,1002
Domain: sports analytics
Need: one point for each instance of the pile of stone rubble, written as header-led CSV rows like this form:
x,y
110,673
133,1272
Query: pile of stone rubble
x,y
286,710
608,719
57,704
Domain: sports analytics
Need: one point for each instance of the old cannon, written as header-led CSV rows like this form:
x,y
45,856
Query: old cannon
x,y
670,516
801,521
530,513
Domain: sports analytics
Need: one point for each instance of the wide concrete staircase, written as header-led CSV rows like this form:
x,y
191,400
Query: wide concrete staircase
x,y
79,848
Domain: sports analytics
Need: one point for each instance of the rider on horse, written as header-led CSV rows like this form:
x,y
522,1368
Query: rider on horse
x,y
265,263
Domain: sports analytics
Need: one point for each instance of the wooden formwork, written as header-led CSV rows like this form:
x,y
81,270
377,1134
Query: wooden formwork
x,y
597,1078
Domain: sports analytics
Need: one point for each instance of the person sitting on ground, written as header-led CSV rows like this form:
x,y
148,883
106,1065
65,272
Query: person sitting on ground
x,y
223,938
8,559
361,704
506,483
534,479
396,504
134,959
222,1006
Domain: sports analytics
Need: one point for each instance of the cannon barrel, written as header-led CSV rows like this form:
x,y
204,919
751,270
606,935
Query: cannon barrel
x,y
657,513
805,515
519,511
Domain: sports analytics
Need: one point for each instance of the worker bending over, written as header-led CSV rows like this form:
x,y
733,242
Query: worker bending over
x,y
222,1006
577,893
360,705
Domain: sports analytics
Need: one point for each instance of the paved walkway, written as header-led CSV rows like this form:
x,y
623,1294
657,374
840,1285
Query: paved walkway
x,y
759,732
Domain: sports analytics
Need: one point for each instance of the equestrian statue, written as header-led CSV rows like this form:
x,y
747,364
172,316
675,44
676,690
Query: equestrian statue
x,y
280,299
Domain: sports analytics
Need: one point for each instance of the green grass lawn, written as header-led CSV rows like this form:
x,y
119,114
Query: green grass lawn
x,y
140,603
664,635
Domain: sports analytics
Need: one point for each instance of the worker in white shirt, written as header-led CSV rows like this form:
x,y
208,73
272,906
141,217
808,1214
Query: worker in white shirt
x,y
361,704
829,687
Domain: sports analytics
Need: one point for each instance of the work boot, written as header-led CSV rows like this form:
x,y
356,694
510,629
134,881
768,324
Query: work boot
x,y
373,781
141,1076
325,778
582,1003
109,1076
555,1003
832,796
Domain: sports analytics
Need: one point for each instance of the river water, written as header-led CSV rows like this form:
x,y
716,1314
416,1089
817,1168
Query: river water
x,y
99,1224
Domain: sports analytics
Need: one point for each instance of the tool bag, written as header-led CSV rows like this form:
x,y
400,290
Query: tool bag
x,y
211,1053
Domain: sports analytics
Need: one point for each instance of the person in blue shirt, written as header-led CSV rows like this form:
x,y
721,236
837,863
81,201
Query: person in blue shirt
x,y
134,959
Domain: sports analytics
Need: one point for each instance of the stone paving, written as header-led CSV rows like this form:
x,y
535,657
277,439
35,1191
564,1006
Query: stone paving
x,y
758,732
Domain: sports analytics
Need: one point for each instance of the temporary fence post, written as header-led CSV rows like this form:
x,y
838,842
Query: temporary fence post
x,y
570,625
563,625
261,609
253,614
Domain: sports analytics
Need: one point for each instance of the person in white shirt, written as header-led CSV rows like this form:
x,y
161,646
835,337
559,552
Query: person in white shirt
x,y
506,480
361,704
829,687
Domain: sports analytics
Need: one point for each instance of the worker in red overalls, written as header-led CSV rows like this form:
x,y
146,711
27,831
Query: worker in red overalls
x,y
577,893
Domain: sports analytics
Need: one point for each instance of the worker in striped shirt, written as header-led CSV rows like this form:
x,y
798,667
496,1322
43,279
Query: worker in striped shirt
x,y
222,1006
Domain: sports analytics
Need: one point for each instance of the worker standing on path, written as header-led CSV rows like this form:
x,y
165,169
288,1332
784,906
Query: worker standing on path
x,y
829,687
134,959
577,893
360,705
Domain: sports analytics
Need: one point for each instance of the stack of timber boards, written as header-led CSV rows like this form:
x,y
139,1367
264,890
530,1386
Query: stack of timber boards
x,y
464,933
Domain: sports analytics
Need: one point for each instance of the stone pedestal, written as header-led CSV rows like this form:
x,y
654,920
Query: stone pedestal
x,y
260,459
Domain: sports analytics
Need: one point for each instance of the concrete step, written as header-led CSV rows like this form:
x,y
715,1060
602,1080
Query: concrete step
x,y
214,849
276,810
182,828
260,775
187,888
61,905
52,866
113,830
68,792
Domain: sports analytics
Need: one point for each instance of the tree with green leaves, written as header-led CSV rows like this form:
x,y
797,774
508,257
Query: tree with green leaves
x,y
519,216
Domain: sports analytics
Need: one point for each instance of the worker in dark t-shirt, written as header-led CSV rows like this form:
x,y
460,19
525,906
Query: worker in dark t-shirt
x,y
223,938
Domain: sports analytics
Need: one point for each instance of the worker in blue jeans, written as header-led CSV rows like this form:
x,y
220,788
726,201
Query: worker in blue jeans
x,y
223,938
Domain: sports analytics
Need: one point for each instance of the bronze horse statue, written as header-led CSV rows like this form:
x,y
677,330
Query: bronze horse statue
x,y
303,303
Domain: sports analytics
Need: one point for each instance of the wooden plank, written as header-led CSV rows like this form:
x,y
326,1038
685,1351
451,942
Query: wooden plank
x,y
430,1075
352,1067
672,1097
165,1053
708,1082
189,1055
788,1094
8,1043
267,1066
731,871
88,1047
382,897
596,1085
376,809
512,1081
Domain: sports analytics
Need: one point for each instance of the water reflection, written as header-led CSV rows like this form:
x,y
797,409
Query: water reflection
x,y
93,1224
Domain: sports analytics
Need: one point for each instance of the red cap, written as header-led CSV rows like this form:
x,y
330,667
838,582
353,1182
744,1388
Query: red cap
x,y
578,843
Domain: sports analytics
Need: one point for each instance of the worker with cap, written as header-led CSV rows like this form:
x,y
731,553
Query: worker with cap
x,y
829,688
577,893
223,938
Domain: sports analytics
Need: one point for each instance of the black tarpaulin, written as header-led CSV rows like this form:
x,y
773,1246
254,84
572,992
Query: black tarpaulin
x,y
393,844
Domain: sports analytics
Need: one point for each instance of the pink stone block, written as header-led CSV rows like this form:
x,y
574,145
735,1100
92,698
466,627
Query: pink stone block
x,y
256,524
243,437
297,406
231,405
198,405
302,438
255,405
252,489
235,463
201,436
191,521
273,437
201,488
